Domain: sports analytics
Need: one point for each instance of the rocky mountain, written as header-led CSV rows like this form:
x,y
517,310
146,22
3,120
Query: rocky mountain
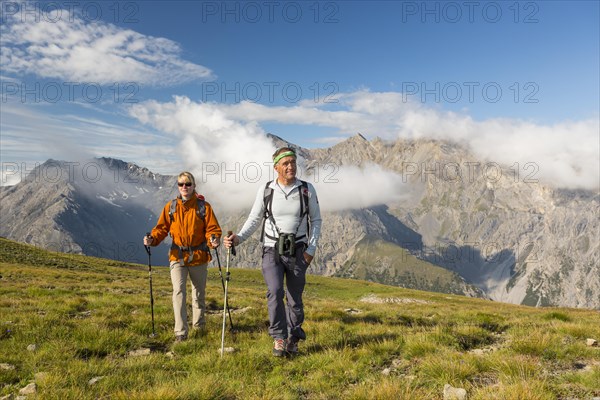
x,y
465,226
517,239
96,208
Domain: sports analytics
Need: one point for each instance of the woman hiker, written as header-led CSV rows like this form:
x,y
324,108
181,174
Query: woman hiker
x,y
193,227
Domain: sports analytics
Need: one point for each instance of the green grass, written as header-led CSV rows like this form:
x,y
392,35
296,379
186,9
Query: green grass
x,y
85,315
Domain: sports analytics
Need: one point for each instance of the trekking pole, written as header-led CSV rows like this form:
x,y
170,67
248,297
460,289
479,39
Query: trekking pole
x,y
229,252
150,278
223,284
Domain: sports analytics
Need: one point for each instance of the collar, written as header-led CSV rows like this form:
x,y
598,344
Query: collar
x,y
186,202
296,183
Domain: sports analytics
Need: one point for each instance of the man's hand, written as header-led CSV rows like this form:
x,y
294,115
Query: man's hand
x,y
214,241
229,240
308,258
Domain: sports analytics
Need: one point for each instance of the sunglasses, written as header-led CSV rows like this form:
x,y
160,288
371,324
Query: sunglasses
x,y
187,184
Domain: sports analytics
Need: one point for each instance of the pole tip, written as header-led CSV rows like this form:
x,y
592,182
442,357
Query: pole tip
x,y
227,350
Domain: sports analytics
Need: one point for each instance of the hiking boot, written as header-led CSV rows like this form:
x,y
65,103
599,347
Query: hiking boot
x,y
279,348
291,346
180,338
198,331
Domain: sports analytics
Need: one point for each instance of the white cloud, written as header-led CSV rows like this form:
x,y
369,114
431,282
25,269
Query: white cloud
x,y
230,154
225,145
350,187
566,154
32,135
75,50
228,158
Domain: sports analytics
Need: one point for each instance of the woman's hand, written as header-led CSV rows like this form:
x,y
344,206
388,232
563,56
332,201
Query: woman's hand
x,y
148,240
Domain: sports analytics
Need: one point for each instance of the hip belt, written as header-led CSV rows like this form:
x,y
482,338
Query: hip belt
x,y
190,250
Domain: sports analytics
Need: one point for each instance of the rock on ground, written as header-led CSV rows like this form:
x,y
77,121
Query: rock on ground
x,y
452,393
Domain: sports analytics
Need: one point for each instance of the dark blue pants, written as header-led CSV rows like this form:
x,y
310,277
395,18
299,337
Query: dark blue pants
x,y
285,320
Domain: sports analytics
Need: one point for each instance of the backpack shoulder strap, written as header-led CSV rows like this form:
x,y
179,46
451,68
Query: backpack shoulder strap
x,y
267,204
304,199
201,211
172,209
268,197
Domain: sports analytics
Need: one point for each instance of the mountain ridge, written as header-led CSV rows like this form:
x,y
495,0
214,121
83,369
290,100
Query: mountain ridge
x,y
511,216
507,236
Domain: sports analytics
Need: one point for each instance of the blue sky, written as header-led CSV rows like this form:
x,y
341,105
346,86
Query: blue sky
x,y
386,46
165,84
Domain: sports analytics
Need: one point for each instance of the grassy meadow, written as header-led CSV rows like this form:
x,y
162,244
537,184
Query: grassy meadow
x,y
79,328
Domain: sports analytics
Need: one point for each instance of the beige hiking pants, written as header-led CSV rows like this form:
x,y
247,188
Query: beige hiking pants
x,y
179,276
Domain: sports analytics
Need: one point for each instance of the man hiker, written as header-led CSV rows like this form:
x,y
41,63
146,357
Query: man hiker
x,y
291,225
193,226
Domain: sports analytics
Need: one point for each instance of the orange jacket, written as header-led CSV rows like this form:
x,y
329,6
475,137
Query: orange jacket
x,y
187,229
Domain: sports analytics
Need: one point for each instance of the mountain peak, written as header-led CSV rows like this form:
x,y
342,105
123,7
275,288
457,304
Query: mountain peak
x,y
356,141
278,141
358,138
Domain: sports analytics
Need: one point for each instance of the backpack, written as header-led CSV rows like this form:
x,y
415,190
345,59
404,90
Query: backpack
x,y
268,206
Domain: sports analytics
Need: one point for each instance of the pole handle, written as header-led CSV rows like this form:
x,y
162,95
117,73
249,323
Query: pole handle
x,y
148,247
229,233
